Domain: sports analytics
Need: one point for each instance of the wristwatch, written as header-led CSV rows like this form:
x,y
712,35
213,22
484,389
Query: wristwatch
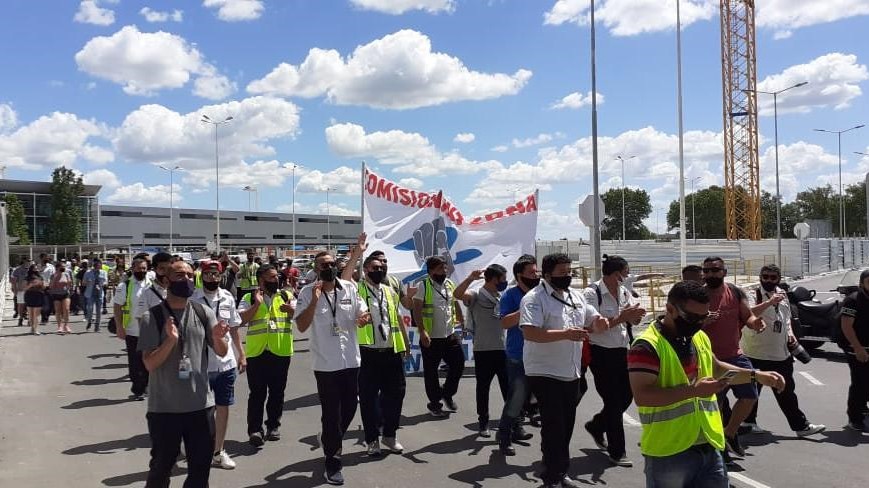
x,y
753,376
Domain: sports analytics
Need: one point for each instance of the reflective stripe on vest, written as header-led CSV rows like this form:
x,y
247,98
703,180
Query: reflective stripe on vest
x,y
126,309
428,303
671,429
248,276
197,279
366,334
260,335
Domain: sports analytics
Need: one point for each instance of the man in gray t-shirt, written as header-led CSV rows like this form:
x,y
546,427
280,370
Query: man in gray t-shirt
x,y
485,323
180,405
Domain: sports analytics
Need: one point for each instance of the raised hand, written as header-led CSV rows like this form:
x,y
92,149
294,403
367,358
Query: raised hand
x,y
477,274
258,296
708,386
218,332
317,291
170,329
363,319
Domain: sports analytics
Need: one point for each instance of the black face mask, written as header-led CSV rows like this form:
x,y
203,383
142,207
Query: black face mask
x,y
713,281
529,282
560,282
182,289
140,275
270,287
687,328
768,285
377,277
439,278
328,274
210,285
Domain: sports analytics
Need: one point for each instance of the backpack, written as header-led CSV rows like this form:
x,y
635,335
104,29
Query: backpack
x,y
628,325
198,309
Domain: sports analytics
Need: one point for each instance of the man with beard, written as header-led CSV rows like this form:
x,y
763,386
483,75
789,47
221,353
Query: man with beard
x,y
674,378
129,308
728,314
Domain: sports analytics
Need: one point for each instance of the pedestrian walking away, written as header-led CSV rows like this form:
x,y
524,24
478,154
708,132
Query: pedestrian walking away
x,y
484,322
609,356
181,403
94,282
268,313
675,377
129,306
19,288
555,319
47,272
332,309
34,296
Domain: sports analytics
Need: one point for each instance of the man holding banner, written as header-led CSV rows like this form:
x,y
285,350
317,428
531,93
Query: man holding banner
x,y
435,309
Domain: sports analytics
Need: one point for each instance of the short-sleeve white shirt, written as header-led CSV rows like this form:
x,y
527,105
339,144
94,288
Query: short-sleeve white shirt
x,y
222,304
138,308
610,307
333,348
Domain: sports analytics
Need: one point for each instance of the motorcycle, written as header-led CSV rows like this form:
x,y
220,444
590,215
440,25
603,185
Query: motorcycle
x,y
813,322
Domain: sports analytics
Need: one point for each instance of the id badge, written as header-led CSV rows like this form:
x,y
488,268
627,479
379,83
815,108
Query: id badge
x,y
224,314
335,330
273,325
184,368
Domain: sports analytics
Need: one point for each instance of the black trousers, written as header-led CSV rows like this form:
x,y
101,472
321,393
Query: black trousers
x,y
488,365
47,306
166,431
381,391
610,369
136,366
858,392
450,351
267,380
337,391
558,401
787,399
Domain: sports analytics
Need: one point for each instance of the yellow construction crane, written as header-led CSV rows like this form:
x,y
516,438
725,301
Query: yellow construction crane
x,y
741,160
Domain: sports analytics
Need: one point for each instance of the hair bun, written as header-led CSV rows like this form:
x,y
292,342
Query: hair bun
x,y
605,257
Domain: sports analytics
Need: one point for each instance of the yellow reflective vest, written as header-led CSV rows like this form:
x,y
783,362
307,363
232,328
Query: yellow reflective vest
x,y
674,428
127,308
366,334
428,303
247,276
197,278
270,328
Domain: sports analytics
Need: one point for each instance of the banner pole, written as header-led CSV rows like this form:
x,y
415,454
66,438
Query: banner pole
x,y
362,214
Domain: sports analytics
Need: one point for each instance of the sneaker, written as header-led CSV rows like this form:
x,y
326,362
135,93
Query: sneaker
x,y
374,448
391,444
599,439
857,427
750,428
506,449
15,315
222,460
88,326
520,434
622,461
811,429
485,432
437,413
728,461
568,482
335,478
35,332
273,435
256,439
451,405
734,446
319,440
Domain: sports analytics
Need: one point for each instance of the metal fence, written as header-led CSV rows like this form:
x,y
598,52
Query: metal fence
x,y
4,259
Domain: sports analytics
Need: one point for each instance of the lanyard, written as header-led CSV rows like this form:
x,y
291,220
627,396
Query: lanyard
x,y
215,307
179,325
572,305
333,304
379,307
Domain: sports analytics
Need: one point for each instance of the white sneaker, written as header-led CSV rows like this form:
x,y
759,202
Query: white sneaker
x,y
812,429
392,445
222,460
374,448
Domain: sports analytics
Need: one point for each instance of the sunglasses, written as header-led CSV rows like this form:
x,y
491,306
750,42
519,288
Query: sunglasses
x,y
767,277
713,270
326,266
377,268
692,317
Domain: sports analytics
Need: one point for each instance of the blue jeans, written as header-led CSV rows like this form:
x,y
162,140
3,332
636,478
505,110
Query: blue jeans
x,y
698,467
94,302
517,395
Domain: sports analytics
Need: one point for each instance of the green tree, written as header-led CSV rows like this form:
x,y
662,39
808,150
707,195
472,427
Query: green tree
x,y
16,221
708,213
638,206
820,203
66,188
855,209
790,216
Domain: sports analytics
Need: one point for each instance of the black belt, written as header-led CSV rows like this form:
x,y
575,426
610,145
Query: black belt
x,y
378,349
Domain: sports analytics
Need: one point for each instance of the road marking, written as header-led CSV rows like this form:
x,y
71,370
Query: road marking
x,y
748,481
811,379
631,421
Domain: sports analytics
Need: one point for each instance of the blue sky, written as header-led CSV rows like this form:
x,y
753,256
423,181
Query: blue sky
x,y
484,99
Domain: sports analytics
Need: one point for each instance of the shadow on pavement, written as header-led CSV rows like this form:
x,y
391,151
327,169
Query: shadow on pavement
x,y
141,441
845,438
308,474
423,417
100,356
454,446
310,400
96,402
129,479
496,468
100,381
111,366
593,464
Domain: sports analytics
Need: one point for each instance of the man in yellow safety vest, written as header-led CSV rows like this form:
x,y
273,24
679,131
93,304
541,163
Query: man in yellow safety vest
x,y
268,348
674,378
247,276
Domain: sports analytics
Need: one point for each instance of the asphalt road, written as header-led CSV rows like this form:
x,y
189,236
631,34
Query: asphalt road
x,y
65,421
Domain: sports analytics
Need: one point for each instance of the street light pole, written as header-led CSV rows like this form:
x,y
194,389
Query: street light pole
x,y
294,166
622,159
841,195
683,252
206,119
694,215
171,204
595,230
328,220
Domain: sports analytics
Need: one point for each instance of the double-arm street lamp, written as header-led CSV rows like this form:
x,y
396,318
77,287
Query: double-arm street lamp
x,y
841,195
171,203
207,120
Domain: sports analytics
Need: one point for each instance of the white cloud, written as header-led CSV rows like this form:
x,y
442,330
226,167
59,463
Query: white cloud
x,y
398,7
145,62
53,140
576,100
632,17
8,118
259,174
834,81
342,180
156,133
89,12
102,177
151,196
398,71
535,141
464,137
785,15
336,209
412,183
236,10
411,153
501,149
157,16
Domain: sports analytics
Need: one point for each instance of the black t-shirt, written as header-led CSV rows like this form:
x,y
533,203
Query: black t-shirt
x,y
857,305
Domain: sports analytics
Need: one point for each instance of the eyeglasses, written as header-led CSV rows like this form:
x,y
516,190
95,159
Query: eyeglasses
x,y
211,274
713,270
377,268
767,277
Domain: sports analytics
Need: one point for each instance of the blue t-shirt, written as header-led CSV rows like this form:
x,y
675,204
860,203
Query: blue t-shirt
x,y
510,301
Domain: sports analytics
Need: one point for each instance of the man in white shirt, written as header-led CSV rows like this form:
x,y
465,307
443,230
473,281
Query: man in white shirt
x,y
768,349
221,371
47,271
332,309
555,319
128,317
